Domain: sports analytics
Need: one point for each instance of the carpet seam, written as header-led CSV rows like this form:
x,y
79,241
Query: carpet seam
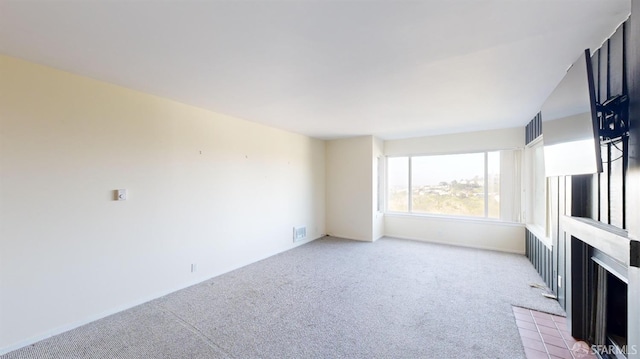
x,y
210,342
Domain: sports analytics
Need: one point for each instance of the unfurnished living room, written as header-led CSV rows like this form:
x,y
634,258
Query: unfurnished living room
x,y
320,179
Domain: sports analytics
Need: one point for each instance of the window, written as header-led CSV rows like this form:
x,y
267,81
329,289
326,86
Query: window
x,y
398,184
536,184
458,185
379,184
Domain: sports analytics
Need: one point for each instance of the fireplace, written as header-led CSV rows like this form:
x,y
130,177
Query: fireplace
x,y
600,258
616,326
609,308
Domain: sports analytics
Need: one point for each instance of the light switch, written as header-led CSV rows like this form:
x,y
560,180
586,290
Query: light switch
x,y
121,195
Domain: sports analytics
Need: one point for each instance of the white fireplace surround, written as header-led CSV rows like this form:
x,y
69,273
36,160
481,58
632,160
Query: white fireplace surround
x,y
606,238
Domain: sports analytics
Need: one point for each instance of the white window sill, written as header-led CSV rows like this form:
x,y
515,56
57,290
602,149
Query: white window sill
x,y
454,218
540,233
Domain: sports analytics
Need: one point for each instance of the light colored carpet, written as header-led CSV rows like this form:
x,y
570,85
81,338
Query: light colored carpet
x,y
331,298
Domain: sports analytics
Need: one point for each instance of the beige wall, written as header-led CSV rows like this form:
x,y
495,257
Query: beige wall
x,y
349,182
203,188
378,216
503,236
352,188
493,235
493,140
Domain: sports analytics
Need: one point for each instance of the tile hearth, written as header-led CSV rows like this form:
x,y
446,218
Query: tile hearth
x,y
546,336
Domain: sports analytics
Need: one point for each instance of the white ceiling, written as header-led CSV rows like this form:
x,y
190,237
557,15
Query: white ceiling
x,y
326,69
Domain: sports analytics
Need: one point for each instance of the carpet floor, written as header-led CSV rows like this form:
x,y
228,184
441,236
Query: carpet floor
x,y
331,298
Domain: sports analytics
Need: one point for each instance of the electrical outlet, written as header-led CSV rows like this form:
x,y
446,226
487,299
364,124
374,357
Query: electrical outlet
x,y
194,267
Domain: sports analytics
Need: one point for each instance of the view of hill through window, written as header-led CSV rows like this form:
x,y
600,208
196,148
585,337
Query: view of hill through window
x,y
445,184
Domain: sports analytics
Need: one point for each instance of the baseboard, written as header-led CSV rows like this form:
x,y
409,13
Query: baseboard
x,y
350,238
489,248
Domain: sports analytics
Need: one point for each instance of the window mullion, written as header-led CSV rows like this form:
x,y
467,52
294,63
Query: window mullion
x,y
410,192
486,184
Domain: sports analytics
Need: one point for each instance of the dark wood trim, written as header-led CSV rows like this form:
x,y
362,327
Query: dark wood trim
x,y
533,129
541,257
634,254
580,316
625,167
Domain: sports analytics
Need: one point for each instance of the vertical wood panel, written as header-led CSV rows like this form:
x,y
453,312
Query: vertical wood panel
x,y
565,201
616,59
550,280
595,63
581,195
616,179
554,216
617,86
533,129
580,317
561,250
595,193
605,72
625,168
540,256
604,188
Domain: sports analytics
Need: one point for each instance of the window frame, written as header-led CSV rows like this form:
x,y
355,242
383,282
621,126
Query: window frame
x,y
536,207
410,211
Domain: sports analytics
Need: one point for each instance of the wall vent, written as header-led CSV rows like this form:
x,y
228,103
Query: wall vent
x,y
299,233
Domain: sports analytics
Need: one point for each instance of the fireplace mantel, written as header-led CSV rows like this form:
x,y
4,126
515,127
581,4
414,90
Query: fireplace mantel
x,y
611,240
